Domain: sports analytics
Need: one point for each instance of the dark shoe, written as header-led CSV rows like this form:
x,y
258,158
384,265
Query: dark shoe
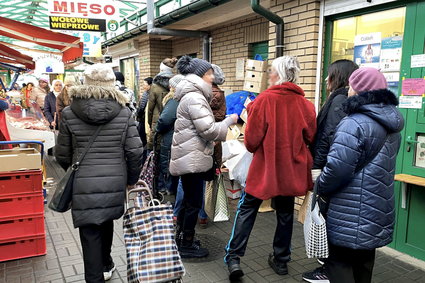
x,y
235,270
192,250
203,223
316,276
108,271
280,268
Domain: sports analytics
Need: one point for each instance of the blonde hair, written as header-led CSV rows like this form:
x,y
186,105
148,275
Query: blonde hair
x,y
288,69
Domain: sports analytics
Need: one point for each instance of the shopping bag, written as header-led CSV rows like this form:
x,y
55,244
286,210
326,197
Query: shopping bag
x,y
215,202
62,198
240,171
303,209
149,169
315,234
152,254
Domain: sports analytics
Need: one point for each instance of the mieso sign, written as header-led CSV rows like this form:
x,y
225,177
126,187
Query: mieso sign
x,y
88,15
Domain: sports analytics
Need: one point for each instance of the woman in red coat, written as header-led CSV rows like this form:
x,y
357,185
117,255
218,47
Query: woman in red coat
x,y
281,125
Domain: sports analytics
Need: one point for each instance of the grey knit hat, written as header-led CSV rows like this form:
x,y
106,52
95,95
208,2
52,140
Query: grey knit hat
x,y
219,77
99,75
174,81
187,65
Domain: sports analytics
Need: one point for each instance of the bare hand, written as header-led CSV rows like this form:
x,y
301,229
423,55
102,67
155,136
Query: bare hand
x,y
235,118
53,124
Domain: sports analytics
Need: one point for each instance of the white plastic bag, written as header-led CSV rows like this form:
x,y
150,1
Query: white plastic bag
x,y
240,171
231,149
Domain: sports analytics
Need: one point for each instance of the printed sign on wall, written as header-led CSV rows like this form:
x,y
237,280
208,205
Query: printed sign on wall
x,y
391,49
70,14
367,49
413,87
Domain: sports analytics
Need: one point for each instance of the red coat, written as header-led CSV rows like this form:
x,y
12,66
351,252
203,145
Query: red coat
x,y
281,125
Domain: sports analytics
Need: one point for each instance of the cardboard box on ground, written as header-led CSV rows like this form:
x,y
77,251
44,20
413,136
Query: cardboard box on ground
x,y
19,159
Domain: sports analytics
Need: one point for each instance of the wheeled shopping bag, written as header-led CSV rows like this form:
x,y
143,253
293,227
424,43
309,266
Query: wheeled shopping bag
x,y
152,254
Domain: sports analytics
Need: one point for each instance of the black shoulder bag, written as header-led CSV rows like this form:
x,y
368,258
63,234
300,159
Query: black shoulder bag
x,y
62,198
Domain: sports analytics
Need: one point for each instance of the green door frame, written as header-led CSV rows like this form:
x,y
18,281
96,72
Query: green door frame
x,y
402,215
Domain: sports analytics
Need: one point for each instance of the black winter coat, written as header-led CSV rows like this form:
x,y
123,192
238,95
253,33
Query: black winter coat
x,y
165,128
328,119
361,212
114,159
50,107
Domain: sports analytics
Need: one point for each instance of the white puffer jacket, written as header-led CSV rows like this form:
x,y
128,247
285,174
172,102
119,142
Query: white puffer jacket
x,y
195,129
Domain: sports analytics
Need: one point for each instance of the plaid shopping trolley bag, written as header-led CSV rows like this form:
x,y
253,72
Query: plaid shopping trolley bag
x,y
152,254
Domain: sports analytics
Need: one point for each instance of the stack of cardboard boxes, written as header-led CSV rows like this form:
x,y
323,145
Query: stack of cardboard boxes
x,y
255,76
256,82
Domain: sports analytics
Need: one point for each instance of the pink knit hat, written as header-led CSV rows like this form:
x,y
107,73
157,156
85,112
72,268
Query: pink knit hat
x,y
367,79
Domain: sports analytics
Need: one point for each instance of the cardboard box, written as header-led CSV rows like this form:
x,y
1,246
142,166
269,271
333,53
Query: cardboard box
x,y
243,129
244,116
256,65
19,159
255,87
247,102
255,76
234,132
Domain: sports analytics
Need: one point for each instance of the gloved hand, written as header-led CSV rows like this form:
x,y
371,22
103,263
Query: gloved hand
x,y
315,173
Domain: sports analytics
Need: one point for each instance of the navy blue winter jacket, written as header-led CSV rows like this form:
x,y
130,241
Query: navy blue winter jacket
x,y
361,210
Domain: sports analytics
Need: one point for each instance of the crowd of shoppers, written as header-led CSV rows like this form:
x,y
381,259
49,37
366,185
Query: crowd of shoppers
x,y
348,152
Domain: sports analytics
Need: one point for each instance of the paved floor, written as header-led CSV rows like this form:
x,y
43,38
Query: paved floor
x,y
63,262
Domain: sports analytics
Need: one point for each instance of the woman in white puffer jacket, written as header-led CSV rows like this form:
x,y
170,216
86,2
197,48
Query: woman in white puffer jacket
x,y
195,131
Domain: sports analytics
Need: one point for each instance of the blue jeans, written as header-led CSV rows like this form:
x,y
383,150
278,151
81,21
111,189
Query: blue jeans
x,y
179,200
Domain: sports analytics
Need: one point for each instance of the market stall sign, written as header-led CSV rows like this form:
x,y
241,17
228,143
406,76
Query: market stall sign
x,y
48,64
67,15
92,42
413,87
80,24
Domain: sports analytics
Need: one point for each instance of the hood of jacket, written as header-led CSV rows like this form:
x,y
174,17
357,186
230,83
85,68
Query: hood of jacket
x,y
96,105
380,105
286,88
193,83
163,79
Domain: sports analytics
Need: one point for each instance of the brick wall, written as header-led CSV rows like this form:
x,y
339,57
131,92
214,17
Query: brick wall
x,y
228,45
152,52
300,37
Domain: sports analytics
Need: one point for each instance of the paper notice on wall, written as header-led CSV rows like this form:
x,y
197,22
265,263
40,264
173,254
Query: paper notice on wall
x,y
410,102
420,152
417,61
414,87
240,69
391,49
367,49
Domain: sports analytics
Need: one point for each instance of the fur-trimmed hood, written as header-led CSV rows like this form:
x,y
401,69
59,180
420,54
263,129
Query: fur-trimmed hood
x,y
380,105
96,105
163,79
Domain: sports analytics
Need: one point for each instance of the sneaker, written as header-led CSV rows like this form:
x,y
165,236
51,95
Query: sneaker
x,y
203,223
235,270
108,271
280,268
316,276
192,250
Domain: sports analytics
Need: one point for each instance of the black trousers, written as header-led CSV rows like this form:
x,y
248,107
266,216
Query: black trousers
x,y
346,265
244,222
193,185
96,241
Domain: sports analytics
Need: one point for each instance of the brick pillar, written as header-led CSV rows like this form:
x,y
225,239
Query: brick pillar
x,y
301,28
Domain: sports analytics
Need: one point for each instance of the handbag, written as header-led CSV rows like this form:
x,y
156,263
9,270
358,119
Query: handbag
x,y
62,198
152,254
315,234
215,202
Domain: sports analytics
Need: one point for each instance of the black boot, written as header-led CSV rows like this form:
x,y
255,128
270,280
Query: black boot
x,y
280,268
235,270
190,248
